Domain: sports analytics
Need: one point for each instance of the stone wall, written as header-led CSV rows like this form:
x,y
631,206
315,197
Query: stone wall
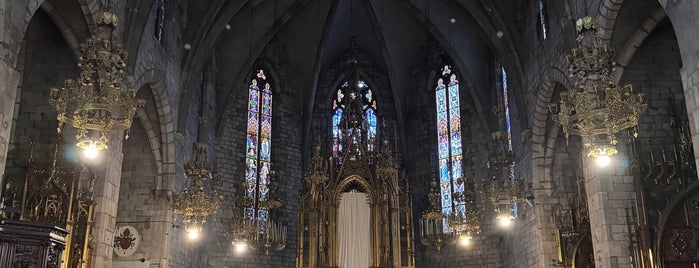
x,y
137,205
421,165
47,61
286,162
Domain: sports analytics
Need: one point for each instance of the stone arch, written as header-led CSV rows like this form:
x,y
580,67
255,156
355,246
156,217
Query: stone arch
x,y
607,15
277,84
90,9
691,191
353,178
67,32
153,80
18,15
552,75
542,149
636,40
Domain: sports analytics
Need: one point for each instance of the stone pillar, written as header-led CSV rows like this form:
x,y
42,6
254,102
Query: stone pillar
x,y
107,170
684,15
9,78
610,194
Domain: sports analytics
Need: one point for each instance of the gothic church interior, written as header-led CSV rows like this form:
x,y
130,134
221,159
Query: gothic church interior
x,y
349,133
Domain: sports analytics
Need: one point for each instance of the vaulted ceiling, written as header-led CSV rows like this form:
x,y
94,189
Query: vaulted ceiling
x,y
316,33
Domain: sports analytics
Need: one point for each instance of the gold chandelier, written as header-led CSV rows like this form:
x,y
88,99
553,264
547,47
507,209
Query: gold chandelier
x,y
253,233
433,228
597,108
195,202
503,188
466,224
99,99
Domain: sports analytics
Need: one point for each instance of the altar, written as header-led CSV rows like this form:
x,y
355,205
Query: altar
x,y
354,211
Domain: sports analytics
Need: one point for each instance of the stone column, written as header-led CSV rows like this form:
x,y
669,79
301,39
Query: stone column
x,y
9,78
684,15
107,170
610,194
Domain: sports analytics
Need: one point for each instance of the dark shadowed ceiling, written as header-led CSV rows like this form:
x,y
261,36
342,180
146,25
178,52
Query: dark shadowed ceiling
x,y
316,33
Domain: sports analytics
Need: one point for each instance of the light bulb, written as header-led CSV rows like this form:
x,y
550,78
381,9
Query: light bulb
x,y
465,240
91,151
193,234
240,247
505,221
603,160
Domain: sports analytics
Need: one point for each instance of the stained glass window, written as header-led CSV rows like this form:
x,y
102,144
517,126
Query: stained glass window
x,y
369,108
258,146
508,126
159,19
449,150
543,20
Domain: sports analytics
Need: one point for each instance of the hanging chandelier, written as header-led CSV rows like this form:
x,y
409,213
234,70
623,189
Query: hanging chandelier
x,y
271,237
434,229
99,99
196,202
503,188
598,107
250,232
467,223
268,234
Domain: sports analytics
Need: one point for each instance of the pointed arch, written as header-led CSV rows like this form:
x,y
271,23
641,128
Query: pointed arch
x,y
258,147
369,109
449,142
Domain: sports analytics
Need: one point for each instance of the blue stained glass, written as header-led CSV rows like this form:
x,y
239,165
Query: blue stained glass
x,y
371,119
254,99
266,101
159,19
336,132
506,99
251,145
456,143
265,150
262,217
369,107
446,70
449,141
249,213
259,130
443,144
456,167
442,123
542,20
441,97
444,171
454,94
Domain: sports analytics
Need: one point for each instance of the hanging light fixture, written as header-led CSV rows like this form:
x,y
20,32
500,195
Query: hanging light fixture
x,y
268,235
434,230
197,200
503,188
252,233
466,224
598,107
99,100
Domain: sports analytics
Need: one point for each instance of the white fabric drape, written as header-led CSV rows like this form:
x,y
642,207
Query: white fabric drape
x,y
353,231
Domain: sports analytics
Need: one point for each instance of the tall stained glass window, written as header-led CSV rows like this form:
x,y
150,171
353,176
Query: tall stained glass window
x,y
543,28
258,143
159,19
508,126
368,107
449,142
